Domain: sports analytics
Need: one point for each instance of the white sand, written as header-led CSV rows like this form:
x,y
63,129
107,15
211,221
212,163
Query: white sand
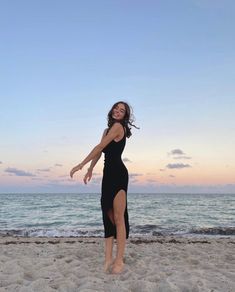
x,y
75,264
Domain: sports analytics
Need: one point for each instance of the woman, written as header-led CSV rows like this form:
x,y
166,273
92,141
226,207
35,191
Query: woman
x,y
114,182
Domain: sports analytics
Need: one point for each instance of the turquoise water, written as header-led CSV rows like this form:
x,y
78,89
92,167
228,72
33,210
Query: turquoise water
x,y
149,214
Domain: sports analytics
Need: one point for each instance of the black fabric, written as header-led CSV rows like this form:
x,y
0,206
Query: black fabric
x,y
115,178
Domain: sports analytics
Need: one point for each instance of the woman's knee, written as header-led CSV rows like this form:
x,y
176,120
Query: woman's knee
x,y
119,218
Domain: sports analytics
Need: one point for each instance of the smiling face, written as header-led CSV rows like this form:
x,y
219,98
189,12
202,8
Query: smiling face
x,y
119,112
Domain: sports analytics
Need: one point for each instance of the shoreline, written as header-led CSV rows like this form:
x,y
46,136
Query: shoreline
x,y
9,239
151,264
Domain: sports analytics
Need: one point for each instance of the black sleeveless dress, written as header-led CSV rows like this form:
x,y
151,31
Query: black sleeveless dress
x,y
115,178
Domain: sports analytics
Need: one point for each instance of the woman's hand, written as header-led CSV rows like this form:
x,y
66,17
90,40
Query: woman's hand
x,y
76,168
87,176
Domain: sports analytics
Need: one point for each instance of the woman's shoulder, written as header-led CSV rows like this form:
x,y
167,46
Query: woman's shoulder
x,y
118,125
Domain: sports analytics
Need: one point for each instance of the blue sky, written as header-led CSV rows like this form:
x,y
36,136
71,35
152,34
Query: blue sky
x,y
64,63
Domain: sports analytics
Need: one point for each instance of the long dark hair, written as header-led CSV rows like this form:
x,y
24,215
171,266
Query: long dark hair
x,y
127,121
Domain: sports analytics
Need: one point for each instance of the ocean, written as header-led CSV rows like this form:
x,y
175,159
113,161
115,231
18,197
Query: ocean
x,y
79,215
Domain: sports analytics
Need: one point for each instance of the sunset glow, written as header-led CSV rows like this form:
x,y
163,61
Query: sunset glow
x,y
62,71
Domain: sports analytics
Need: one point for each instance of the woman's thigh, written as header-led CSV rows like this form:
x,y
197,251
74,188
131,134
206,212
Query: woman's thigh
x,y
119,204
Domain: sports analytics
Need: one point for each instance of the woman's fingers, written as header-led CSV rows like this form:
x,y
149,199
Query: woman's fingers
x,y
78,167
84,179
87,177
73,171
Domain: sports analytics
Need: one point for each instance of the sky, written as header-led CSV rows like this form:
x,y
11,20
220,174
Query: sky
x,y
63,64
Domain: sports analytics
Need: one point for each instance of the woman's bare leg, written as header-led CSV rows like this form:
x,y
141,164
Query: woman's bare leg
x,y
109,246
119,206
108,253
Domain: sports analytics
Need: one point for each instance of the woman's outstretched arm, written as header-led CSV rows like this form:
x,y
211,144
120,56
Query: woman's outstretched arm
x,y
114,132
88,175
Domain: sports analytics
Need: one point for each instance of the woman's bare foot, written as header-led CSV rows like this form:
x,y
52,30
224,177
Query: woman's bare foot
x,y
118,267
107,265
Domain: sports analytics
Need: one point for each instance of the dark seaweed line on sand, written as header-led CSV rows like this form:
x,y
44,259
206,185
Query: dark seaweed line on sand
x,y
136,241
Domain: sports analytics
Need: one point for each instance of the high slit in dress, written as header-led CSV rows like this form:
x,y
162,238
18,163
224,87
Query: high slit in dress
x,y
115,178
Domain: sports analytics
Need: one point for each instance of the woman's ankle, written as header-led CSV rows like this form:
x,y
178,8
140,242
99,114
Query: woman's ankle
x,y
108,259
119,261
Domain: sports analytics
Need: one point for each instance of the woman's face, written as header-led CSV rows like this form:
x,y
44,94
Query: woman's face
x,y
119,111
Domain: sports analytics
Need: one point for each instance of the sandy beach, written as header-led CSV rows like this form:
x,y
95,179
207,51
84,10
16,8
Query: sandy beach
x,y
153,264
